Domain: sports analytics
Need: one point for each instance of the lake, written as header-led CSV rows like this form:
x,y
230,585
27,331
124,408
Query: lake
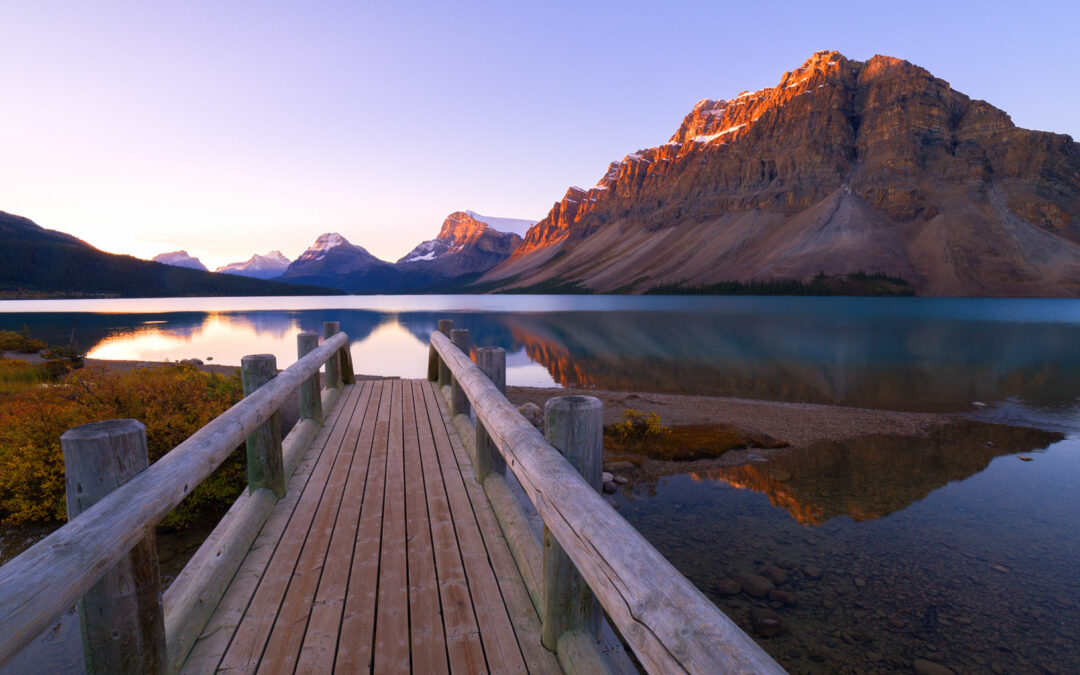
x,y
949,547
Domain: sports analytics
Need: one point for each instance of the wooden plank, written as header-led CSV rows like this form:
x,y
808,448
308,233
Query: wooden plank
x,y
515,594
354,653
287,635
464,648
427,640
668,622
251,635
320,642
500,644
206,654
44,581
392,616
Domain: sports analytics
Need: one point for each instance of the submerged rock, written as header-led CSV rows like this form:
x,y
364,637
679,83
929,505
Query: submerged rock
x,y
757,586
924,667
766,622
728,587
774,574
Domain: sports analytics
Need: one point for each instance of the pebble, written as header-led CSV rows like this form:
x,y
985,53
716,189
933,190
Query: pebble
x,y
785,597
755,585
729,587
531,412
812,572
978,404
610,487
924,667
1000,568
766,623
773,574
621,480
859,582
1025,458
606,477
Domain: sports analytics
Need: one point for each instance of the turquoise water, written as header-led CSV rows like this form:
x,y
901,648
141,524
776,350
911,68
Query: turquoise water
x,y
949,547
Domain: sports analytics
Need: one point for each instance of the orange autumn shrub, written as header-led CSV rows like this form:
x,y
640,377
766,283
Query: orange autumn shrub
x,y
173,401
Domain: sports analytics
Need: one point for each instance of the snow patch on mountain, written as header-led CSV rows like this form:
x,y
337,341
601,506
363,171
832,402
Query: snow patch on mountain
x,y
518,226
180,259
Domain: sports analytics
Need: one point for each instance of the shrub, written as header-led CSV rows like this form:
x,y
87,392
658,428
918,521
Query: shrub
x,y
173,401
10,341
637,427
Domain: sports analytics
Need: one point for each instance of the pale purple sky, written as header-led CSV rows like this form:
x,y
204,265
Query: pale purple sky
x,y
231,128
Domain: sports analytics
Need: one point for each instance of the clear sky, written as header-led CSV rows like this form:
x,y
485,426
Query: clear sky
x,y
232,128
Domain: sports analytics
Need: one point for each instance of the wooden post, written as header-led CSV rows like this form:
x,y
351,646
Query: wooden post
x,y
488,460
265,464
445,327
333,364
309,393
574,426
123,627
459,402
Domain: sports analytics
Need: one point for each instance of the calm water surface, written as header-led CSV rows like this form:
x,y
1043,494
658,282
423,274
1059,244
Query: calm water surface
x,y
894,549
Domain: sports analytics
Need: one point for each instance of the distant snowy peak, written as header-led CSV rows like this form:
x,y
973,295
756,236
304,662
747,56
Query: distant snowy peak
x,y
268,266
322,245
180,259
518,226
426,250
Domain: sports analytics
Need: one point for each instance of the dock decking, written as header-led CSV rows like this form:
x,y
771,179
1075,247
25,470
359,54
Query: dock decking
x,y
384,556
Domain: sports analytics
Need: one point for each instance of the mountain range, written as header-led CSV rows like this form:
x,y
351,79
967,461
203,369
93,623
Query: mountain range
x,y
847,176
36,262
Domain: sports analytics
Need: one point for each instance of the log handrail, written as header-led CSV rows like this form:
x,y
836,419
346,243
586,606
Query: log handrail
x,y
670,625
45,580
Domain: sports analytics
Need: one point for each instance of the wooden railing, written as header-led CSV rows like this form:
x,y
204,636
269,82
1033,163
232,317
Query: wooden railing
x,y
104,556
667,622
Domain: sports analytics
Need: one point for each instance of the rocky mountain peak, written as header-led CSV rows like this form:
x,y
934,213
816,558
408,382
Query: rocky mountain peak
x,y
843,165
180,259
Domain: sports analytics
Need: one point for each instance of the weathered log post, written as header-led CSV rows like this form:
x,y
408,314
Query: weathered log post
x,y
445,327
488,460
121,618
459,402
333,365
309,393
574,426
265,464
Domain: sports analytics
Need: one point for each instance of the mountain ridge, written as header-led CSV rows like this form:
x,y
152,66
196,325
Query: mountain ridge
x,y
35,261
843,165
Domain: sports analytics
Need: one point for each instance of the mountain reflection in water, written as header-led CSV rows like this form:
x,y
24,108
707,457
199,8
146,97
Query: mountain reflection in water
x,y
922,354
870,477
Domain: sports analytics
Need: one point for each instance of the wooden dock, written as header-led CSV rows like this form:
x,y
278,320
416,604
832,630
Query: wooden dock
x,y
395,529
384,556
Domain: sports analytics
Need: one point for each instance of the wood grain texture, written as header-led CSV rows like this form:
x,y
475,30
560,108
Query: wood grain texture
x,y
670,624
120,616
574,426
310,402
427,639
459,402
487,459
445,326
265,466
496,632
49,577
219,630
333,365
320,640
465,650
